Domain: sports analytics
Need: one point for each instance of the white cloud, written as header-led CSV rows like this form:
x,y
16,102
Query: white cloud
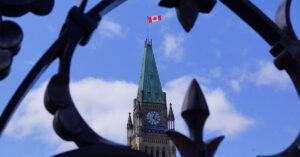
x,y
173,46
105,105
267,74
32,116
110,29
264,74
223,116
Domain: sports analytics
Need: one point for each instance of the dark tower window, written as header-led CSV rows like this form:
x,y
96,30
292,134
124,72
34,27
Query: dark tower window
x,y
157,153
163,152
152,151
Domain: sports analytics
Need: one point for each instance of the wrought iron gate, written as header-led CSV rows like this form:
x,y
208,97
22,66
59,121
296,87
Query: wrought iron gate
x,y
78,28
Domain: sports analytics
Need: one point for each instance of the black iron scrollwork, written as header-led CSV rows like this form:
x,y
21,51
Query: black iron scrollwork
x,y
11,34
15,8
279,35
68,123
78,28
194,112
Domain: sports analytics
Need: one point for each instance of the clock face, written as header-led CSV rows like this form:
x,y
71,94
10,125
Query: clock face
x,y
153,117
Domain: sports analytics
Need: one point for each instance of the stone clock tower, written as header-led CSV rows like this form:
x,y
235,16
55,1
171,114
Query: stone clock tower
x,y
150,117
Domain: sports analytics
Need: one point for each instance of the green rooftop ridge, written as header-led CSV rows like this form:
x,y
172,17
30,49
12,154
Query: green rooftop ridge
x,y
149,86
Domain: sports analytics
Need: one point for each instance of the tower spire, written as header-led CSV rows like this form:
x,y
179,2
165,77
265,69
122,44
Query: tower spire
x,y
129,122
171,119
129,129
171,115
149,87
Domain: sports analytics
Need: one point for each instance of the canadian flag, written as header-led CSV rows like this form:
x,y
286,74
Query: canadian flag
x,y
152,19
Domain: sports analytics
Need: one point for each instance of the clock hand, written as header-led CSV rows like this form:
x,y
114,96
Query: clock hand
x,y
154,117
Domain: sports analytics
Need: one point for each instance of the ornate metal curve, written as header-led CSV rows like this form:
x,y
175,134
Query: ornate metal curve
x,y
70,126
29,80
283,19
10,41
292,151
10,32
5,62
195,112
16,8
68,123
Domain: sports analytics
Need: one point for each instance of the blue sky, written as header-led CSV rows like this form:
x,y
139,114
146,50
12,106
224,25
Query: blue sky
x,y
253,104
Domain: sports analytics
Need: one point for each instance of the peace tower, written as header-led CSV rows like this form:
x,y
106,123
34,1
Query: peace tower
x,y
150,118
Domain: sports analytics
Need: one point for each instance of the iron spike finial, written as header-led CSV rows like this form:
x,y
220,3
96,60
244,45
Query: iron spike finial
x,y
194,99
187,10
195,112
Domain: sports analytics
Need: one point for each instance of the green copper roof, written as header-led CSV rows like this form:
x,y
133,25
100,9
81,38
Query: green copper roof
x,y
149,79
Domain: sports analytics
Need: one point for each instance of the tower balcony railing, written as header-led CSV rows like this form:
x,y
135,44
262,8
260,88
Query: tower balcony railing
x,y
77,30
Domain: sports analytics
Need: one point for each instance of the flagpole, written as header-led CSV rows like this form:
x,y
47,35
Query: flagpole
x,y
147,29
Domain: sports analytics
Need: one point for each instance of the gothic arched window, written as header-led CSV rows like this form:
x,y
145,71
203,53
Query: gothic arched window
x,y
157,153
163,152
146,149
152,151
